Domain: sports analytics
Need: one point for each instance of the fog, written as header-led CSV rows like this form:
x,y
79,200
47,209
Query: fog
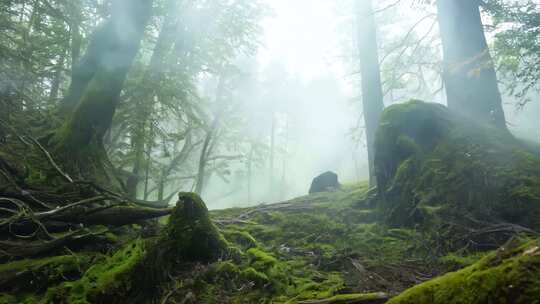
x,y
245,102
304,72
304,77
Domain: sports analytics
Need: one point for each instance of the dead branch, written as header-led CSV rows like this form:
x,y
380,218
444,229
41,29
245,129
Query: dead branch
x,y
51,160
375,298
13,249
122,215
47,214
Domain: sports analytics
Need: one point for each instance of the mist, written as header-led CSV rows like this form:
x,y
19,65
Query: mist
x,y
269,151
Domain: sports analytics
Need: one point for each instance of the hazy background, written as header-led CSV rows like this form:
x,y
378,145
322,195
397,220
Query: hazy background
x,y
301,49
302,64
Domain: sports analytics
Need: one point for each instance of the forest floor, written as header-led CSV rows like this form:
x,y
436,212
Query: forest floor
x,y
315,247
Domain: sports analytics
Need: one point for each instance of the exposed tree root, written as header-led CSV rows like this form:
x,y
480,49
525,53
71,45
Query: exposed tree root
x,y
39,200
18,249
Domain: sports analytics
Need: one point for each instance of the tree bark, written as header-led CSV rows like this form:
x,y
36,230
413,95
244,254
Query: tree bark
x,y
249,172
144,96
210,134
57,79
109,55
469,75
372,96
272,156
205,153
96,85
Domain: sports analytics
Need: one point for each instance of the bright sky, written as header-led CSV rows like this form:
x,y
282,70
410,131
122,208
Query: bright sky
x,y
302,35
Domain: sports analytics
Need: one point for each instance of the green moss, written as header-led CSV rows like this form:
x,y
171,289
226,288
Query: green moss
x,y
510,275
37,275
259,278
240,237
26,299
111,278
347,299
428,157
456,261
260,259
191,232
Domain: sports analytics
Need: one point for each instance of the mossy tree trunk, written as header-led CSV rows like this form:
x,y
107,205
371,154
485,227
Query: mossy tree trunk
x,y
96,85
469,75
372,95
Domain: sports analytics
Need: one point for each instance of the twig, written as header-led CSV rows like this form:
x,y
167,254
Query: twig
x,y
51,161
43,215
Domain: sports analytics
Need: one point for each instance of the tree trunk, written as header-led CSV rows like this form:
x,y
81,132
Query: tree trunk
x,y
372,96
249,172
469,75
272,156
205,153
96,85
283,187
57,79
210,134
75,17
144,96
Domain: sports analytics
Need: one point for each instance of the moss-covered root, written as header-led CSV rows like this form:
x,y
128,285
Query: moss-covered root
x,y
106,282
36,275
510,275
137,271
363,298
193,235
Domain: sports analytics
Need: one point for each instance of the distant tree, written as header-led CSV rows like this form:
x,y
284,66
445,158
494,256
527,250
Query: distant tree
x,y
144,94
372,95
469,73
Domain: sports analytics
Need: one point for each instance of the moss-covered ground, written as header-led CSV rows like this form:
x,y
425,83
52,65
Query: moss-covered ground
x,y
449,191
322,246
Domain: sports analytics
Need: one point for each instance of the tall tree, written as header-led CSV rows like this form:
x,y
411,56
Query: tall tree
x,y
145,92
469,74
372,96
96,85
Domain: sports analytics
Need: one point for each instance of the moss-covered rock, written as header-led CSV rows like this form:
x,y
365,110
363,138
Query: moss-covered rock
x,y
510,275
191,232
430,161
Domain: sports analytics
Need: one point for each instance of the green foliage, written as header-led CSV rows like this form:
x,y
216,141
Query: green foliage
x,y
516,45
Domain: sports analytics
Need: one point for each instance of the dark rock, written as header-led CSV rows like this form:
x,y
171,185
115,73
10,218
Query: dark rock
x,y
325,182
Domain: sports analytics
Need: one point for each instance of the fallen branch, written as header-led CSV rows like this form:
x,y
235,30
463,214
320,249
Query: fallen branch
x,y
367,298
122,215
47,214
11,249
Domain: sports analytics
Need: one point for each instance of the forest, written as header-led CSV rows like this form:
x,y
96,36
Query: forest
x,y
269,151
